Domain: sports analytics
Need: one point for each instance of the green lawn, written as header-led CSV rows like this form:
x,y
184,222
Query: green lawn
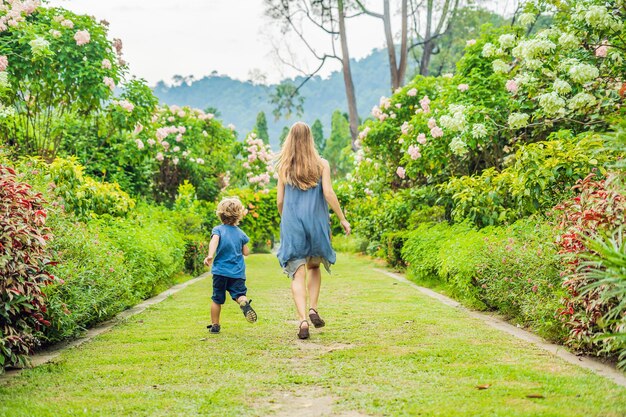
x,y
386,350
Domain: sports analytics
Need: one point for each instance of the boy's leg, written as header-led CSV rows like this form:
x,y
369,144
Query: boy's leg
x,y
237,290
217,299
216,309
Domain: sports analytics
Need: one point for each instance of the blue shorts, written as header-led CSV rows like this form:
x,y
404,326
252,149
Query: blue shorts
x,y
236,287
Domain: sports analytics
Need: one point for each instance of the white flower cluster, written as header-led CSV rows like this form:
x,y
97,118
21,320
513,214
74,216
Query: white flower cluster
x,y
518,120
6,111
597,17
533,48
562,87
500,67
507,40
552,104
581,101
39,46
455,121
583,73
568,41
526,19
479,131
458,146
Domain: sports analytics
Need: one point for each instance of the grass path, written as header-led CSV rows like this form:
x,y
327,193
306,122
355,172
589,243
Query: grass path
x,y
387,350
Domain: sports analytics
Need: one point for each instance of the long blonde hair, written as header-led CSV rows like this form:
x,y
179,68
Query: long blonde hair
x,y
299,164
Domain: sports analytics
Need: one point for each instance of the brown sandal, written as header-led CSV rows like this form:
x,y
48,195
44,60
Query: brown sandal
x,y
304,332
316,319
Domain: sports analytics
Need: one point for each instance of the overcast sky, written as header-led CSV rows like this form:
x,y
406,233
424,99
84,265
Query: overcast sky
x,y
195,37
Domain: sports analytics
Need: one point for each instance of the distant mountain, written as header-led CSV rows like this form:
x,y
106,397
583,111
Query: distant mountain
x,y
239,101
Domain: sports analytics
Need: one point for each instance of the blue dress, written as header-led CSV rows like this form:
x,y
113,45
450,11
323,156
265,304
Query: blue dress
x,y
305,226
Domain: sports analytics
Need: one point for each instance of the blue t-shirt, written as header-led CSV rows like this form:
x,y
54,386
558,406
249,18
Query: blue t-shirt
x,y
228,259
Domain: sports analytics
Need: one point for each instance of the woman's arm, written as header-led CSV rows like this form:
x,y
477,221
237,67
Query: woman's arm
x,y
331,197
280,195
215,241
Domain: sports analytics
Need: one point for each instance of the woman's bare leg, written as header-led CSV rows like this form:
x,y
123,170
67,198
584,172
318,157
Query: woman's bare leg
x,y
298,291
314,284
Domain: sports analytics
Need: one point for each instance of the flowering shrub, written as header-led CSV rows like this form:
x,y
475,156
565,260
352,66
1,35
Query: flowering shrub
x,y
510,269
54,64
24,268
597,209
258,157
187,144
539,177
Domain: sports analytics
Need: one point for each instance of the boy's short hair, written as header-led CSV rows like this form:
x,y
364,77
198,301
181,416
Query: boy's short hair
x,y
230,211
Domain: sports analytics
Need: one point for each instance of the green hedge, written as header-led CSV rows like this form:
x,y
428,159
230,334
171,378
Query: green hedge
x,y
511,269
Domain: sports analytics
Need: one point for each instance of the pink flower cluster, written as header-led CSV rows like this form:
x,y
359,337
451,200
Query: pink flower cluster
x,y
414,152
463,87
401,172
511,86
108,81
67,23
405,128
163,132
106,64
364,133
602,50
421,139
4,62
425,104
435,131
126,105
412,92
16,12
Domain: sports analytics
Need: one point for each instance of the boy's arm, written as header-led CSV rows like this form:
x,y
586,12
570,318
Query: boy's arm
x,y
246,250
215,240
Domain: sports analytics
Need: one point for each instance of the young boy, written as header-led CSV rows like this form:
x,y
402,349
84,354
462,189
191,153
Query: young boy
x,y
228,246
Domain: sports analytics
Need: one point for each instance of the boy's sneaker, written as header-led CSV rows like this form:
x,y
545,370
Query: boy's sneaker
x,y
213,328
248,311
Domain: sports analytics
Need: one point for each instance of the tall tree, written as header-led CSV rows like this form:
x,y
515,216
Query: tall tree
x,y
328,17
283,135
317,130
437,24
338,145
396,68
261,127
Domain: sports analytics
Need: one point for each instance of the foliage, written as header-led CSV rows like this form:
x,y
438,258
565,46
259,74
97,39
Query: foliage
x,y
538,177
24,268
109,264
317,130
83,195
260,128
598,209
337,148
604,268
60,66
262,221
510,269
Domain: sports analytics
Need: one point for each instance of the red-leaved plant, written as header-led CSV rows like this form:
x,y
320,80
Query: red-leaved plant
x,y
23,261
598,208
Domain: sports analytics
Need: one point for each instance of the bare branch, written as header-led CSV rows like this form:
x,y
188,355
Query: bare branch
x,y
367,11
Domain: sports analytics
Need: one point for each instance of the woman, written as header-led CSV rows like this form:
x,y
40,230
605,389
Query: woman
x,y
304,193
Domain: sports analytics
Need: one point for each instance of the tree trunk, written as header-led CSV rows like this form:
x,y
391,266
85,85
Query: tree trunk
x,y
347,76
404,47
391,48
428,44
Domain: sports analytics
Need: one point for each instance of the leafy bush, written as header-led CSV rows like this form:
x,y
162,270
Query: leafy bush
x,y
82,194
262,223
394,242
110,264
542,174
598,209
24,268
511,269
